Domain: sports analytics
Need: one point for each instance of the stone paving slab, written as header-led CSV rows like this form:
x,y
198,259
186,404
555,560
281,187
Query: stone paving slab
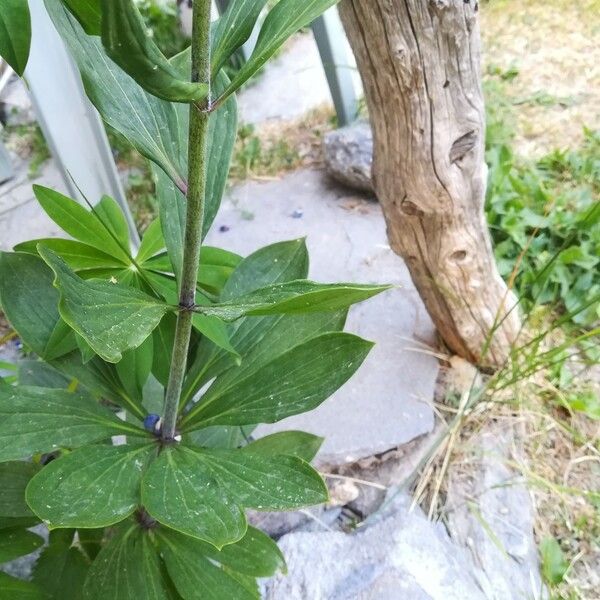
x,y
289,87
389,402
21,217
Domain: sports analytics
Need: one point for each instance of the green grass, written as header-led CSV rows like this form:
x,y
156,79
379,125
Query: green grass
x,y
544,216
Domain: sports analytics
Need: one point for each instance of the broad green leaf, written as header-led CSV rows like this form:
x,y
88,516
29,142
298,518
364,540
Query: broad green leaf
x,y
87,352
18,542
14,477
61,572
285,19
264,482
12,588
216,267
294,297
180,491
15,34
80,223
233,30
194,576
221,139
109,317
100,378
256,554
92,487
152,242
151,125
37,373
77,255
171,210
113,219
277,263
135,368
126,41
127,568
554,563
62,341
28,299
34,420
88,13
163,339
293,443
294,382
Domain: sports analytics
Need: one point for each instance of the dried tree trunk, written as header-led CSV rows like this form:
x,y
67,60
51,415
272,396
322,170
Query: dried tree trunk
x,y
420,65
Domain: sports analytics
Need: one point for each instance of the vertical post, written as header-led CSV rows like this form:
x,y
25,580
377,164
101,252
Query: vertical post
x,y
331,41
70,124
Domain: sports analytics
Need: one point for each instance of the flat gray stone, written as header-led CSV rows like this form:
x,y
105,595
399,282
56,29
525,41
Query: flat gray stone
x,y
349,155
389,401
403,557
21,217
490,514
290,86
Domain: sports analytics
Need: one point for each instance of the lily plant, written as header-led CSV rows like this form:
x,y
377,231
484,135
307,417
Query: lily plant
x,y
128,428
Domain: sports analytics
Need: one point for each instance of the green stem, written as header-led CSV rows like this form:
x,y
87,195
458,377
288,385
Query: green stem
x,y
197,159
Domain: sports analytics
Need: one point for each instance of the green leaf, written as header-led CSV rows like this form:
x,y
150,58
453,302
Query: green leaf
x,y
15,34
126,41
171,201
234,29
77,255
61,570
113,219
293,443
216,267
15,522
90,306
12,588
83,225
285,19
62,341
14,477
127,568
36,373
28,299
18,542
554,564
256,554
88,13
152,242
163,339
264,482
180,491
277,263
151,125
194,576
294,297
34,420
171,209
135,368
92,487
294,382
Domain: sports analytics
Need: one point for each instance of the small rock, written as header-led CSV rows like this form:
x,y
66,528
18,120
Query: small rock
x,y
402,557
490,513
224,229
349,156
297,214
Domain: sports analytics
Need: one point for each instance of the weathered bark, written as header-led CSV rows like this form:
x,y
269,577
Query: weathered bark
x,y
420,65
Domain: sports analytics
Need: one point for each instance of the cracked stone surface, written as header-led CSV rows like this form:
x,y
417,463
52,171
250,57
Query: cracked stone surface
x,y
402,557
389,402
